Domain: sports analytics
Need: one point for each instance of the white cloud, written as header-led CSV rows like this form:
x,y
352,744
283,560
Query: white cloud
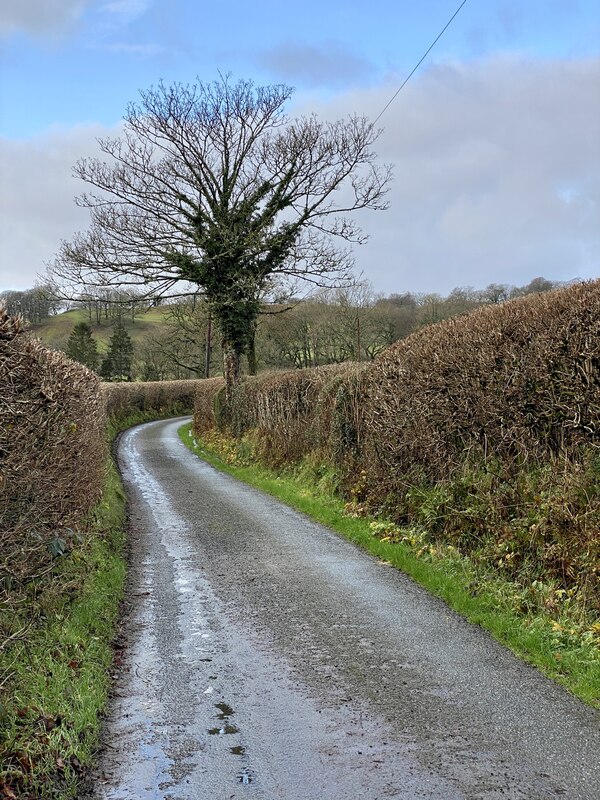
x,y
497,179
39,17
484,153
330,64
126,10
37,206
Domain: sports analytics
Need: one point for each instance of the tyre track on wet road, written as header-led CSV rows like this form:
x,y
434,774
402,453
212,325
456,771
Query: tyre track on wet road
x,y
268,658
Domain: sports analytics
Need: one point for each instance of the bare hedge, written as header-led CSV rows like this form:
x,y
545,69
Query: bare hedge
x,y
52,451
518,383
486,429
483,429
290,413
163,398
205,403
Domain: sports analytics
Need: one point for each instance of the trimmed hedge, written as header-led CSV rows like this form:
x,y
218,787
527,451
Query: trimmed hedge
x,y
162,398
291,412
52,452
518,383
484,430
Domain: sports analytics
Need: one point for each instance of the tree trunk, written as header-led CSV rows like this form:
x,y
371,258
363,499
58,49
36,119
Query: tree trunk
x,y
251,352
208,344
231,368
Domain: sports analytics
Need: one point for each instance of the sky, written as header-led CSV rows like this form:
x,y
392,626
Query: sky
x,y
495,140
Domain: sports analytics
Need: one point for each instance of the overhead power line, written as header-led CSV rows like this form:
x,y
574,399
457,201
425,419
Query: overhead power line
x,y
416,67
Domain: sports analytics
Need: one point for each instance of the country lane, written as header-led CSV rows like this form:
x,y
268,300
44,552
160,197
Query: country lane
x,y
267,658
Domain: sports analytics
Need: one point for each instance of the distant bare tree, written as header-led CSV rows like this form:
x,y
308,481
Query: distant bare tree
x,y
34,304
188,337
496,293
212,185
333,326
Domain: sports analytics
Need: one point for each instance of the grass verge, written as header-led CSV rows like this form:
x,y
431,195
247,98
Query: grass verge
x,y
564,647
55,673
58,676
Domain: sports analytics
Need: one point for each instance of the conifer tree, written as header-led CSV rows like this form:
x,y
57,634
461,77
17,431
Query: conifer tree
x,y
82,346
116,365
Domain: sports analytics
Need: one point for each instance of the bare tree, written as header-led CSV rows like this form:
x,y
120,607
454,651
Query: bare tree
x,y
35,304
333,326
212,185
188,336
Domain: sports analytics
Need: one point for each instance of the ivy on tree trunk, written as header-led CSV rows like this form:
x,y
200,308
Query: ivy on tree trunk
x,y
212,190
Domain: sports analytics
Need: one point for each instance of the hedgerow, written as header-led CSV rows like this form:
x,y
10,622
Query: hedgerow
x,y
52,455
150,398
481,430
53,462
485,429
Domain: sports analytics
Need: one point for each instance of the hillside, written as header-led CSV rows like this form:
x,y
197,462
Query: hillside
x,y
54,331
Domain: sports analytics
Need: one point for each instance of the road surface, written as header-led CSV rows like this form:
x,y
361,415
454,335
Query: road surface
x,y
267,658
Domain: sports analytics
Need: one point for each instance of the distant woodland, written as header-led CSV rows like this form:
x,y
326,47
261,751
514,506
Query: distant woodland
x,y
178,340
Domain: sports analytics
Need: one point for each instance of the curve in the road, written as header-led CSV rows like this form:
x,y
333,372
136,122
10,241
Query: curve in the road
x,y
269,658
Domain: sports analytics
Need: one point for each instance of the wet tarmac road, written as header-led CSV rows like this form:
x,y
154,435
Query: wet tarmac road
x,y
268,659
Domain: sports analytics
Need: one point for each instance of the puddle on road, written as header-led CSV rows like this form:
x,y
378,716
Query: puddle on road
x,y
224,730
226,711
246,777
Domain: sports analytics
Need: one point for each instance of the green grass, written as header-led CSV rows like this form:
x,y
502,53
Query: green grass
x,y
563,650
59,676
57,679
55,331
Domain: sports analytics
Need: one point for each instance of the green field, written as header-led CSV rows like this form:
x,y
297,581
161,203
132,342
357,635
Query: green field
x,y
54,331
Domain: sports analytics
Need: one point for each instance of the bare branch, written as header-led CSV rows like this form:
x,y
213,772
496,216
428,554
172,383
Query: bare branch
x,y
213,186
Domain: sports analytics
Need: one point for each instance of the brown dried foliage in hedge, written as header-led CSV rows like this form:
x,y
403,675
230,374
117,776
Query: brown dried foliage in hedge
x,y
280,408
291,413
52,453
166,398
485,428
519,382
204,404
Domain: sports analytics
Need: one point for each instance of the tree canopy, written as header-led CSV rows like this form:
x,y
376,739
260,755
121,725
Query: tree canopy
x,y
212,185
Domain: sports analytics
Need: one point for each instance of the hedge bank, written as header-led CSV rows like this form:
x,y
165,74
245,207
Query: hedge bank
x,y
482,430
150,399
53,469
61,563
52,453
